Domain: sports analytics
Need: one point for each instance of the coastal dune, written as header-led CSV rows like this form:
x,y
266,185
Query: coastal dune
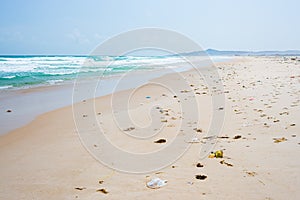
x,y
48,159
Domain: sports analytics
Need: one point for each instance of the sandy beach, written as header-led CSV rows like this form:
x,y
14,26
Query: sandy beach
x,y
46,159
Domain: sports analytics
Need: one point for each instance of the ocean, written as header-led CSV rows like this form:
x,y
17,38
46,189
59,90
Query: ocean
x,y
19,72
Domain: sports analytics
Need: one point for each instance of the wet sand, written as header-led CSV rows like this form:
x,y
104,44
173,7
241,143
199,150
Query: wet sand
x,y
259,139
26,104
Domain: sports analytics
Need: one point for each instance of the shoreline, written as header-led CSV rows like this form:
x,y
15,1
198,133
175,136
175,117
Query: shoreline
x,y
35,101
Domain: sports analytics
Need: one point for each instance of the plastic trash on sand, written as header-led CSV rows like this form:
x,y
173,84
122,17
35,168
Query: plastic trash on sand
x,y
277,140
211,155
194,140
156,183
217,154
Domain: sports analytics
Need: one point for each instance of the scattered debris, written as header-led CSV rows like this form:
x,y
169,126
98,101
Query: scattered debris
x,y
156,183
100,182
160,141
237,137
226,163
201,177
198,130
251,173
211,155
104,191
9,111
80,188
282,113
194,140
209,137
199,165
223,137
217,154
129,129
277,140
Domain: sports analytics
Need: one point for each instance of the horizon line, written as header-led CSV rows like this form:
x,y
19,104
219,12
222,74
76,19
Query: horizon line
x,y
209,49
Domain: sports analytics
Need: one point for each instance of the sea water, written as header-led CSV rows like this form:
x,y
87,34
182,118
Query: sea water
x,y
31,71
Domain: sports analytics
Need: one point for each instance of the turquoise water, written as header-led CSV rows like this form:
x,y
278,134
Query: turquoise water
x,y
30,71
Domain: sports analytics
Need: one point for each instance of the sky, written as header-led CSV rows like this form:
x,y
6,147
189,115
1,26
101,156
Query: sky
x,y
77,27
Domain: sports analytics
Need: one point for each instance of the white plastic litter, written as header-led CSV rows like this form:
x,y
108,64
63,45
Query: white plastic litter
x,y
156,183
194,140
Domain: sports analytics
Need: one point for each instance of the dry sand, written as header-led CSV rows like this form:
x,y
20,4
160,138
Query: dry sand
x,y
46,160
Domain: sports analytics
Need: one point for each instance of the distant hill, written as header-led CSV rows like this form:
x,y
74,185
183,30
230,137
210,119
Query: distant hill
x,y
214,52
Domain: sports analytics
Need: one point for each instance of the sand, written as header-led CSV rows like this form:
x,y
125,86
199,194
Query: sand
x,y
259,139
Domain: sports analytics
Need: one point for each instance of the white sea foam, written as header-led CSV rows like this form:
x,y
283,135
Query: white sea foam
x,y
5,87
70,65
53,82
64,72
9,77
35,69
34,64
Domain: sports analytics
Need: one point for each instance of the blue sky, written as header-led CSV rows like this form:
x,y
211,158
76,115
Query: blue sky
x,y
77,27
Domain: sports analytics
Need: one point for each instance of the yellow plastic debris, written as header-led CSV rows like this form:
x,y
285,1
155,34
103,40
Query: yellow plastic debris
x,y
217,154
212,155
277,140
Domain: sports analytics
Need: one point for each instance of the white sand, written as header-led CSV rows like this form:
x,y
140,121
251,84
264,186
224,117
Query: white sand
x,y
46,160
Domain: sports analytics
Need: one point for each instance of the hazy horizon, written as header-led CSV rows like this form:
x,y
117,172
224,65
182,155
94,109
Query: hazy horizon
x,y
77,27
205,50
